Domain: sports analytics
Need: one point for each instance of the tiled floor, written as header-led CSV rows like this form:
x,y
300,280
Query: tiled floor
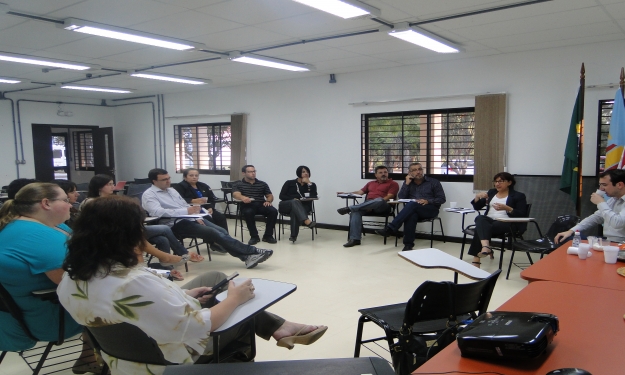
x,y
333,282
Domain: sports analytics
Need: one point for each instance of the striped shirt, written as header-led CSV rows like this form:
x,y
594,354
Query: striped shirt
x,y
257,191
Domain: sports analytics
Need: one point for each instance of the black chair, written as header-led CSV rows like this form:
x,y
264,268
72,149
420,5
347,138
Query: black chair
x,y
226,189
239,221
282,223
434,307
374,223
136,190
143,181
35,357
508,236
431,221
129,343
543,245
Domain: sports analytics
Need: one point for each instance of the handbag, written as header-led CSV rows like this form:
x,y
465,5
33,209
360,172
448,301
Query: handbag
x,y
411,351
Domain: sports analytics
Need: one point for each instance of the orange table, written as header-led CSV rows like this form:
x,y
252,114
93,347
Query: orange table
x,y
590,337
565,268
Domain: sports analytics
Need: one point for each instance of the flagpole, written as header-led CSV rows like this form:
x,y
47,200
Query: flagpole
x,y
582,90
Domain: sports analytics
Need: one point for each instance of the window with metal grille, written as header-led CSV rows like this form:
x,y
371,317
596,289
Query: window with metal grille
x,y
605,115
83,151
203,146
441,140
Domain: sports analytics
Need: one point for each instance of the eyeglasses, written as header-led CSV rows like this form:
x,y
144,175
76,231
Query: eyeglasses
x,y
66,200
165,179
603,184
499,181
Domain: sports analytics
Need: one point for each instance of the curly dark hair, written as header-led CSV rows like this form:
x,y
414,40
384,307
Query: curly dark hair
x,y
108,231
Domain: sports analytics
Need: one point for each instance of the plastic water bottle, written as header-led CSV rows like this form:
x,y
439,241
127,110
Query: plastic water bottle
x,y
576,239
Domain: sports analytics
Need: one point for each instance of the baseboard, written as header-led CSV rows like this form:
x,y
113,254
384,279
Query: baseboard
x,y
345,228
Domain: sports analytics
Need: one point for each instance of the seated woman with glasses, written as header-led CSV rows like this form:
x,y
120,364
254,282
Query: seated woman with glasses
x,y
32,250
502,202
106,284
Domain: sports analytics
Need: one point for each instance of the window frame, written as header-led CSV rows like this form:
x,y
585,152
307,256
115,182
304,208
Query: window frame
x,y
80,156
178,160
364,154
602,136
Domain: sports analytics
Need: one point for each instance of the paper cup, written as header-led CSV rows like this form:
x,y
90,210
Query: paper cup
x,y
610,253
453,204
582,253
598,244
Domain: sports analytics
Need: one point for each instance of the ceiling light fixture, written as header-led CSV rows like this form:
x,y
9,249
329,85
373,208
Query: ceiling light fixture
x,y
343,8
170,78
10,80
25,59
423,38
96,88
107,31
269,62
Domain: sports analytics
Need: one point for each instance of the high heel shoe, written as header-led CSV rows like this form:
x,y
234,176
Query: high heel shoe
x,y
293,239
476,264
484,254
307,339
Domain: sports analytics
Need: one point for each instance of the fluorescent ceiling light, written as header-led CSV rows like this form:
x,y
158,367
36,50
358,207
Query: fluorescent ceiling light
x,y
343,8
161,77
99,29
270,62
95,88
10,80
24,59
423,38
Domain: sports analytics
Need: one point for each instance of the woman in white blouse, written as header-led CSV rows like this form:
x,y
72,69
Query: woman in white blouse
x,y
502,202
106,284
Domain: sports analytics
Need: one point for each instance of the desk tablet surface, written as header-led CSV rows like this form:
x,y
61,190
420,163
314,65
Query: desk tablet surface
x,y
334,366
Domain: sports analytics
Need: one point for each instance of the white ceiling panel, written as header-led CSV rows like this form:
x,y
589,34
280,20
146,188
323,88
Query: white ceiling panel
x,y
122,13
232,25
187,25
256,11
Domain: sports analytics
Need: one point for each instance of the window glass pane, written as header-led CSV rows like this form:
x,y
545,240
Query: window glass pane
x,y
605,116
205,147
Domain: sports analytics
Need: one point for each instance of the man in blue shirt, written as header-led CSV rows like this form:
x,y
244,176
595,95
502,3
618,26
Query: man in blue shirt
x,y
427,195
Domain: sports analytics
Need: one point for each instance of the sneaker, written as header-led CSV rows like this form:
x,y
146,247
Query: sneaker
x,y
262,255
253,241
217,248
344,210
269,239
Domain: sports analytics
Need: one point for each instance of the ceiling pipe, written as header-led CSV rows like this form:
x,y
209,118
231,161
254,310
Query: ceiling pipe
x,y
17,161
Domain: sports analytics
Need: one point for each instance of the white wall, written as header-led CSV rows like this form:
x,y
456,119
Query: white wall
x,y
308,121
40,113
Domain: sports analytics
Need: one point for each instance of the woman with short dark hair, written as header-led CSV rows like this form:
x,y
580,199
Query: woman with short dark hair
x,y
502,202
293,191
195,191
106,284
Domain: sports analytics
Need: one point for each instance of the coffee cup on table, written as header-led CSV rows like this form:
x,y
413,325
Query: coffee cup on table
x,y
610,253
582,251
453,204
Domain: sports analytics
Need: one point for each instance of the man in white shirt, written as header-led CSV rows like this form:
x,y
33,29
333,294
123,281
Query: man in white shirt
x,y
160,200
610,213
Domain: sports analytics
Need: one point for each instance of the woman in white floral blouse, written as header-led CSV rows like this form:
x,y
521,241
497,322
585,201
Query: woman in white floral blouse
x,y
106,284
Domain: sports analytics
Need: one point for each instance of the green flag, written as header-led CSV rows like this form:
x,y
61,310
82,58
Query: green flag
x,y
570,174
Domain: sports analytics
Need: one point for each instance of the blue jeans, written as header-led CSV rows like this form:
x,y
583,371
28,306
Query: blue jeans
x,y
163,238
210,233
376,206
409,216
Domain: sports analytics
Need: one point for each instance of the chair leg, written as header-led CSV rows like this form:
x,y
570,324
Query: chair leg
x,y
432,233
280,227
2,356
44,355
440,223
530,258
361,321
510,265
464,238
386,226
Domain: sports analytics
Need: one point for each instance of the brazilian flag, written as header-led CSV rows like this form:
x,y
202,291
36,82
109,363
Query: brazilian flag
x,y
570,174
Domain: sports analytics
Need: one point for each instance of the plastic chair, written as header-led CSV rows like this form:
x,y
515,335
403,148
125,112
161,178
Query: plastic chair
x,y
434,307
226,189
545,244
375,223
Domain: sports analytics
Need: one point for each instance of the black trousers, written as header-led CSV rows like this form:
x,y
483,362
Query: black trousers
x,y
249,210
485,229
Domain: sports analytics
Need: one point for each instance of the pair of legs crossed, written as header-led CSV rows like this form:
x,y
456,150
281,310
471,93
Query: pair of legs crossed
x,y
409,216
298,213
485,229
